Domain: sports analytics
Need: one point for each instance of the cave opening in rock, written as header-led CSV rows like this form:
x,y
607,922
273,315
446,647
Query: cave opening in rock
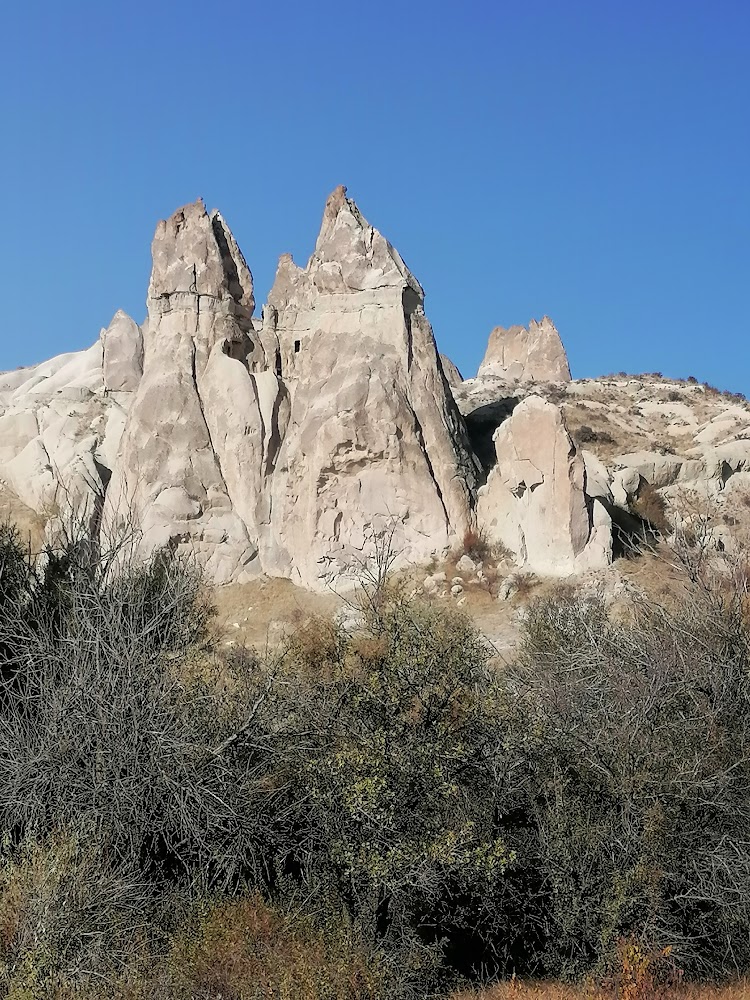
x,y
481,425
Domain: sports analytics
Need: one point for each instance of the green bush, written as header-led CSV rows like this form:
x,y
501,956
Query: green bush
x,y
390,788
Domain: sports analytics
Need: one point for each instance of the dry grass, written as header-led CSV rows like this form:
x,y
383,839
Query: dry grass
x,y
652,507
30,525
245,610
516,990
243,949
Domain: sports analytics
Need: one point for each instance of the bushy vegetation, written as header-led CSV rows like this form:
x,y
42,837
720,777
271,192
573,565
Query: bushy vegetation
x,y
383,812
587,435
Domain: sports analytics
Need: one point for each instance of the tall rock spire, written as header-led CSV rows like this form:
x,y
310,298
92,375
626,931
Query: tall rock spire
x,y
373,433
168,478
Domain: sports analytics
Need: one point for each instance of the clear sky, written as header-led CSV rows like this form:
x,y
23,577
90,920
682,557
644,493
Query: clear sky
x,y
587,159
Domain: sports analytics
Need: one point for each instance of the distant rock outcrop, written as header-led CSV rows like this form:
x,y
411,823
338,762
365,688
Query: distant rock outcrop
x,y
122,354
453,376
518,354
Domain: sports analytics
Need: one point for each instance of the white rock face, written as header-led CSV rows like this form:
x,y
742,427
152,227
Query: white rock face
x,y
518,354
373,435
283,447
453,376
122,354
196,408
58,435
535,501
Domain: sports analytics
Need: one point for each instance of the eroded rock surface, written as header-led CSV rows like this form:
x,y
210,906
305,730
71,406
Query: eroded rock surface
x,y
374,436
535,502
520,354
122,354
196,408
284,446
453,376
58,437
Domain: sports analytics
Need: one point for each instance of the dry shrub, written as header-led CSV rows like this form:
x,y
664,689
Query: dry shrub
x,y
651,506
477,546
638,784
639,973
664,447
525,584
586,435
316,643
67,912
241,949
370,649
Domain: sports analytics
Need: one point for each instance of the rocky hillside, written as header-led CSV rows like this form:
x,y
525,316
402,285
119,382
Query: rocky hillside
x,y
281,445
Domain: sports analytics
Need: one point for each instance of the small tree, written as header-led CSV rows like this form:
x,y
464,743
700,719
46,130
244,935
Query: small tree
x,y
390,789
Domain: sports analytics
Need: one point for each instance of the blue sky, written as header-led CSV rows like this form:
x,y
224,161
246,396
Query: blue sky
x,y
588,160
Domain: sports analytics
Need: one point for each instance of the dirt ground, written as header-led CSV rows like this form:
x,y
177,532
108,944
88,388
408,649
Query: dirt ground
x,y
253,614
258,614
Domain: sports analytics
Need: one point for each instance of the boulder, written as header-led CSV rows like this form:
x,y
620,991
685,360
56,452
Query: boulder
x,y
535,501
520,354
466,565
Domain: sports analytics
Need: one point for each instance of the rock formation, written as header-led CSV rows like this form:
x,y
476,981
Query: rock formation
x,y
122,354
535,502
373,435
283,444
168,477
518,354
58,436
283,448
453,376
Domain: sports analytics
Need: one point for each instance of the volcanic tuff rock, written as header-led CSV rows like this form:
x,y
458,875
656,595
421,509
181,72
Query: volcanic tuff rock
x,y
452,375
253,445
535,502
168,477
373,432
283,444
518,354
58,436
122,354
